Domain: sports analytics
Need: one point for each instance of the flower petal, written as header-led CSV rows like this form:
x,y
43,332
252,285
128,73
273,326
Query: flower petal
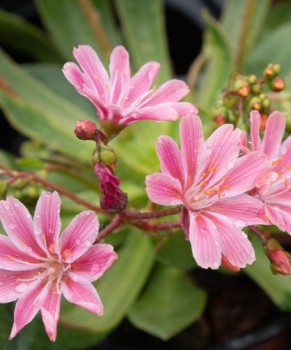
x,y
18,224
142,80
94,262
26,307
83,294
242,177
279,216
13,259
50,312
171,91
14,283
273,134
163,189
192,147
119,74
79,235
223,145
235,245
93,68
47,222
170,158
205,242
159,112
255,123
242,208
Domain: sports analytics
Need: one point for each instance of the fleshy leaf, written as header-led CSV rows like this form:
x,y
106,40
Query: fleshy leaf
x,y
169,304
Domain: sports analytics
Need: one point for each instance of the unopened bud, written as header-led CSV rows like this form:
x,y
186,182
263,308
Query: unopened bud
x,y
277,68
219,119
256,89
252,79
269,72
113,199
85,130
104,154
280,262
278,84
244,91
255,103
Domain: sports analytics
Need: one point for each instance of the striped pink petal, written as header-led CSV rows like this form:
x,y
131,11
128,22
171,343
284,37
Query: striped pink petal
x,y
83,294
91,265
205,241
192,147
79,235
47,221
163,189
93,68
142,80
273,134
170,157
18,224
27,307
255,122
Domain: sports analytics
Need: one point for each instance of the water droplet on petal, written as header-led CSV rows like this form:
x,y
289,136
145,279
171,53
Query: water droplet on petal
x,y
283,149
208,152
20,287
11,225
87,243
7,207
16,204
230,165
239,224
51,230
78,242
1,283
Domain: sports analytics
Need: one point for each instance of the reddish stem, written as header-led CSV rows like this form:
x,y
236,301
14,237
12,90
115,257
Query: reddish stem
x,y
147,226
135,215
46,183
113,225
259,234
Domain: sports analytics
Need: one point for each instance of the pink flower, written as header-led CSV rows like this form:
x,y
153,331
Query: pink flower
x,y
122,99
209,180
38,266
274,185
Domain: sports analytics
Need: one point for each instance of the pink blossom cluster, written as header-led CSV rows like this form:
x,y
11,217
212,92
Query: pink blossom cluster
x,y
224,186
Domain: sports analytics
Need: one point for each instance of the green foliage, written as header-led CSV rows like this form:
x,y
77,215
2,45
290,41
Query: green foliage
x,y
170,303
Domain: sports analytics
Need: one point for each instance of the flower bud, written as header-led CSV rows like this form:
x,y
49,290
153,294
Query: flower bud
x,y
219,119
279,258
244,91
255,103
252,79
278,84
269,72
113,199
85,130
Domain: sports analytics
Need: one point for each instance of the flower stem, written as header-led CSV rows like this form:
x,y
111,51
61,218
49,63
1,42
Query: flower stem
x,y
33,177
135,215
113,225
259,234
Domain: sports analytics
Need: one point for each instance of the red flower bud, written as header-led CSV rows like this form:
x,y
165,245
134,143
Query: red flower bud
x,y
86,130
113,199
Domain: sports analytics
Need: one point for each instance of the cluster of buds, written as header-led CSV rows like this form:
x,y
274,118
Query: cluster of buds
x,y
279,258
113,199
248,93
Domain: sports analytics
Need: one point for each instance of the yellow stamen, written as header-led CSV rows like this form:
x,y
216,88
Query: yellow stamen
x,y
277,161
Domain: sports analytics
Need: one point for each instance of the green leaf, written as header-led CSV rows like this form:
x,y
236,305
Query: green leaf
x,y
176,252
52,76
25,38
271,50
38,112
35,123
69,25
144,28
119,287
243,22
277,287
219,64
170,303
